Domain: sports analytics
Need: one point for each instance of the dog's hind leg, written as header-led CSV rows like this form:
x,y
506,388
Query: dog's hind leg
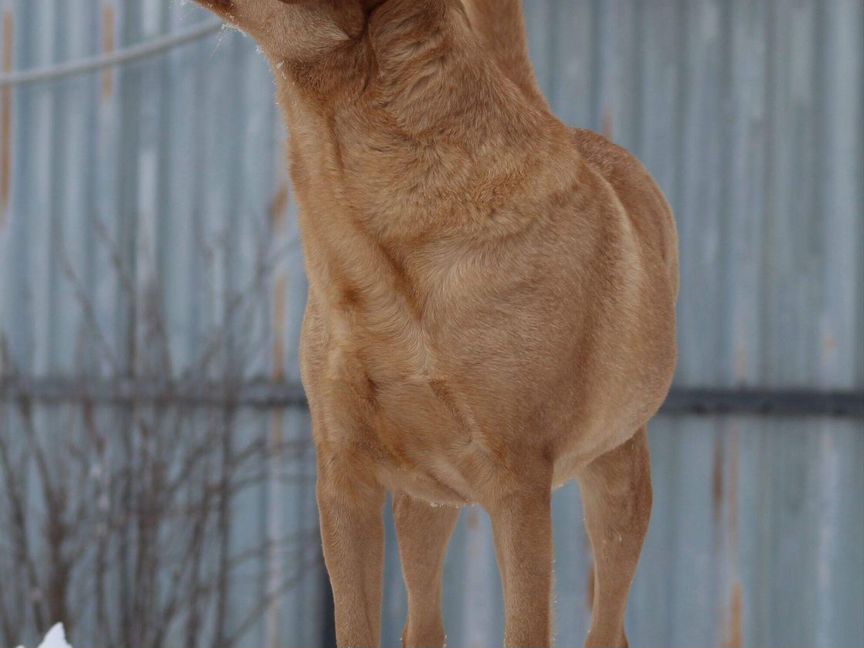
x,y
616,492
424,532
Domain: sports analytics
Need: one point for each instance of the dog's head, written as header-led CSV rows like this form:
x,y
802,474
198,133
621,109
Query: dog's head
x,y
296,30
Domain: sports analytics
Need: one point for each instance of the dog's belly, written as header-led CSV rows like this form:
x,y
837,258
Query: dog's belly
x,y
449,444
451,428
428,484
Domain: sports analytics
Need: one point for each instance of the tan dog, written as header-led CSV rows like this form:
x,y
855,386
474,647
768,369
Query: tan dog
x,y
491,304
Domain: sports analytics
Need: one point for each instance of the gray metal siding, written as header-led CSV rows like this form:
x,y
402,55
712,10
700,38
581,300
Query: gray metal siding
x,y
159,188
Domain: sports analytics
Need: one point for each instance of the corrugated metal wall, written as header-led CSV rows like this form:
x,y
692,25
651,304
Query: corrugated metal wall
x,y
147,231
159,186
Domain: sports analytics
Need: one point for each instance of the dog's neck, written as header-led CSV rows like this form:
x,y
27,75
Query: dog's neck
x,y
416,146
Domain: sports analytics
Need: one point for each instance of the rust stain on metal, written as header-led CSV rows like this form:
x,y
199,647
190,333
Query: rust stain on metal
x,y
733,488
829,348
279,327
279,207
735,629
718,478
735,621
6,116
109,24
741,361
277,432
608,123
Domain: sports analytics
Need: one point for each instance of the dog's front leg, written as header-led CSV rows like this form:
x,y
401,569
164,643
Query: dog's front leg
x,y
424,533
352,531
522,522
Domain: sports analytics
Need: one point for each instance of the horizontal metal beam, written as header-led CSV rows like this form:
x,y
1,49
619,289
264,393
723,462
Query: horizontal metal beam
x,y
262,394
764,401
271,394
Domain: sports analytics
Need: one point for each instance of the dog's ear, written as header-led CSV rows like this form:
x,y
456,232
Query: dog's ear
x,y
295,30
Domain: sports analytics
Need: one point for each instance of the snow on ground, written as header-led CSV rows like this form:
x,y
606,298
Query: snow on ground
x,y
56,638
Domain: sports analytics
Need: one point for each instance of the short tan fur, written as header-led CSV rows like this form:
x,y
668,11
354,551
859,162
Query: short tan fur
x,y
491,304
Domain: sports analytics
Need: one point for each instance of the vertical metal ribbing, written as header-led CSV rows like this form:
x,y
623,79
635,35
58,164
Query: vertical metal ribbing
x,y
747,112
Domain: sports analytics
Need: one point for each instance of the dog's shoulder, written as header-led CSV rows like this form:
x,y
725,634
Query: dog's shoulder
x,y
641,197
606,156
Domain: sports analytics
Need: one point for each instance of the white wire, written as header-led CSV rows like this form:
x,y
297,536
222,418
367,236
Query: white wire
x,y
145,50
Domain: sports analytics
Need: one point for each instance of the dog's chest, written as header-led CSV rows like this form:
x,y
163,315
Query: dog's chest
x,y
398,386
381,346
